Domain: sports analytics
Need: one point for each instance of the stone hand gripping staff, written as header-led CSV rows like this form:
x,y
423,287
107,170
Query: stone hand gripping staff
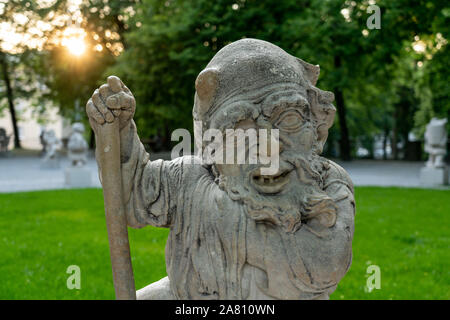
x,y
110,106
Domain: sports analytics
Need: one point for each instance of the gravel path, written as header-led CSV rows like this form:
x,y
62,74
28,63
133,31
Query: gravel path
x,y
23,173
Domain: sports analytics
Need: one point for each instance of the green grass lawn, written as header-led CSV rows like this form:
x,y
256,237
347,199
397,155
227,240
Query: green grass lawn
x,y
406,232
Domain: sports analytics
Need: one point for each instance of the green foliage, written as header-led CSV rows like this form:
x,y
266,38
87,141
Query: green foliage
x,y
18,57
159,46
178,38
49,74
73,79
403,231
106,21
69,78
433,89
170,42
20,68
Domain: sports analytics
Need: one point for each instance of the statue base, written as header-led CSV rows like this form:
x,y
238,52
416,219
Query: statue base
x,y
78,177
434,176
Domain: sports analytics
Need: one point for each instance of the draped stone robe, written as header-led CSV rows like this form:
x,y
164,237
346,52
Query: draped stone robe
x,y
215,251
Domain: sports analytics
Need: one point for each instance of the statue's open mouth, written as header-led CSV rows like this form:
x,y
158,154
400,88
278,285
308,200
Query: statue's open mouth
x,y
270,183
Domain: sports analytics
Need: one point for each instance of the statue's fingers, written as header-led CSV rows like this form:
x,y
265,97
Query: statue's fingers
x,y
127,114
102,107
125,117
114,101
115,84
105,91
93,113
121,100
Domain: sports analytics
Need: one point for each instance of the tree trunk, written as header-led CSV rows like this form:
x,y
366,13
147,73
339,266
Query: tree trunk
x,y
394,139
10,97
385,139
344,142
92,140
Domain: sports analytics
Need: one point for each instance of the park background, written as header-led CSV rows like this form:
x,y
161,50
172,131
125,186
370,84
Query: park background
x,y
388,82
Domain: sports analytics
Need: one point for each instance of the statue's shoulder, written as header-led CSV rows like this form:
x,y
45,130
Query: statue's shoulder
x,y
191,167
333,173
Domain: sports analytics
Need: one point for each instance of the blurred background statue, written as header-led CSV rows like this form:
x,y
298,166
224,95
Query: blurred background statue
x,y
77,146
76,174
436,142
52,146
42,140
435,172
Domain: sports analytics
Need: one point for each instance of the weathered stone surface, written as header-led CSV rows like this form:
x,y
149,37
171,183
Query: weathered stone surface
x,y
159,290
234,232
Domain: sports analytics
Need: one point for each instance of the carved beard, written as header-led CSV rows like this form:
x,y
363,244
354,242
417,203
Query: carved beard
x,y
301,200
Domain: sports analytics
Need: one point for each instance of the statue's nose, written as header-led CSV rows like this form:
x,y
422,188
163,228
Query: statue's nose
x,y
271,136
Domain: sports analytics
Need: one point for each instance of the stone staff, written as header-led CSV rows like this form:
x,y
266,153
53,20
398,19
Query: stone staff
x,y
108,154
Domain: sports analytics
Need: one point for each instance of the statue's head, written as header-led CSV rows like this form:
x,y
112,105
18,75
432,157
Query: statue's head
x,y
50,133
78,127
253,84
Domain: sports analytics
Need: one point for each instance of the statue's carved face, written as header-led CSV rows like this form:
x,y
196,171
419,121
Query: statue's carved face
x,y
294,191
286,110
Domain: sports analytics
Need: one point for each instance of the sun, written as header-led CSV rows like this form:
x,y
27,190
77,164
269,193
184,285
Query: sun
x,y
76,46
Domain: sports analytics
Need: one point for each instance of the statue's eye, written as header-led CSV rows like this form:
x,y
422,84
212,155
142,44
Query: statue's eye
x,y
290,121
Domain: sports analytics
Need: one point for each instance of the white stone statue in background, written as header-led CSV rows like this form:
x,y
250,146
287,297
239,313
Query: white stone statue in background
x,y
77,146
77,175
436,142
435,172
52,146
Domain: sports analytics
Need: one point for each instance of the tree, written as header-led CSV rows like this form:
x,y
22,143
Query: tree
x,y
18,52
176,39
10,97
106,22
72,79
183,36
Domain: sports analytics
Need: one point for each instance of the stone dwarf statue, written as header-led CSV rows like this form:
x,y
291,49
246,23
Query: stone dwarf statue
x,y
436,142
235,234
52,145
77,146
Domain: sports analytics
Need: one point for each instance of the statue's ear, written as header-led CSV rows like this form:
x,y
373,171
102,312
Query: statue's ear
x,y
312,71
323,111
206,87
